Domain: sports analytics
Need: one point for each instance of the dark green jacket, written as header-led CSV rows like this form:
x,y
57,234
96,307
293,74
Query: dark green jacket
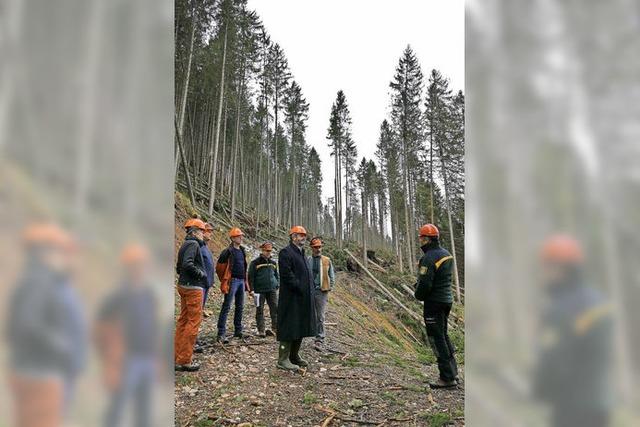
x,y
263,275
434,275
573,369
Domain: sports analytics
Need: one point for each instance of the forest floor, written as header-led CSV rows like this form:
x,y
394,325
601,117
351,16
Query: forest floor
x,y
372,372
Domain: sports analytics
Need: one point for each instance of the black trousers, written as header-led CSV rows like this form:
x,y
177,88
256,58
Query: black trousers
x,y
271,299
435,319
566,416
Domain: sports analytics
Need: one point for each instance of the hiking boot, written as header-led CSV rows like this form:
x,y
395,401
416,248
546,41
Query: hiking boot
x,y
444,384
294,357
191,367
222,340
284,350
240,336
198,349
270,333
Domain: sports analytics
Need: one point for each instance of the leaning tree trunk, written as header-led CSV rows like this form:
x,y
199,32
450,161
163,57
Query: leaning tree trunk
x,y
234,175
184,164
338,200
364,228
406,217
212,195
185,89
453,242
431,174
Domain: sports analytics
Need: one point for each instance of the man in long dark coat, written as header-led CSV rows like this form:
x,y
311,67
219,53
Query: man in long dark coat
x,y
296,307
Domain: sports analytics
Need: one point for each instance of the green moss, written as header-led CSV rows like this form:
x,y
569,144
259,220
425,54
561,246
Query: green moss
x,y
309,398
204,423
185,380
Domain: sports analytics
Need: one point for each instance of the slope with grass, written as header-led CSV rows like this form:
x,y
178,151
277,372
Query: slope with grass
x,y
374,370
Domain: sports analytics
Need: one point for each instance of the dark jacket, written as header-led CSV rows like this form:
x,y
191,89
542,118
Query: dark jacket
x,y
224,266
296,308
573,369
434,275
263,275
127,326
47,329
207,257
190,265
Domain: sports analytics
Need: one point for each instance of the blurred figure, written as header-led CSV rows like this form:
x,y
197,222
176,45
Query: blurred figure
x,y
265,281
232,272
46,329
127,339
573,368
192,280
296,306
324,279
434,288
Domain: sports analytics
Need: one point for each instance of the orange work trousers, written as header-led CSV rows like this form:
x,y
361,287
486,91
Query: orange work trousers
x,y
188,324
38,401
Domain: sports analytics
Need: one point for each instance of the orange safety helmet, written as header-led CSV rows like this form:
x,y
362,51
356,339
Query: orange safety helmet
x,y
316,242
48,234
195,222
429,230
267,246
297,229
134,253
563,249
235,232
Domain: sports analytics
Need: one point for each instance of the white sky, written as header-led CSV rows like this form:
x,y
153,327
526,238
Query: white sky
x,y
355,45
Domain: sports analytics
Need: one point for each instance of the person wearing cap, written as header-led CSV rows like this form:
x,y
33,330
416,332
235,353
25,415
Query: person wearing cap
x,y
323,279
192,281
572,373
264,281
127,337
46,329
296,306
231,269
434,288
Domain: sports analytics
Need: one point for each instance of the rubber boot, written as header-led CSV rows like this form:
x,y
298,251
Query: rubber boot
x,y
295,354
283,357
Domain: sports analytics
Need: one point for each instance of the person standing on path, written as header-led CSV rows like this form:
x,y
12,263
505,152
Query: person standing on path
x,y
191,282
231,269
207,256
47,337
572,373
296,306
434,288
323,279
127,339
264,281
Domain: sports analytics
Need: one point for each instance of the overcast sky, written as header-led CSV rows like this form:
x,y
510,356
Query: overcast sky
x,y
355,45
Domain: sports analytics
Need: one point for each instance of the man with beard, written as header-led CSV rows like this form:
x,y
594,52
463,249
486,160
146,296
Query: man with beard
x,y
296,305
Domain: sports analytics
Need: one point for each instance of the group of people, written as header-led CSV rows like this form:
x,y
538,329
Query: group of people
x,y
295,288
49,333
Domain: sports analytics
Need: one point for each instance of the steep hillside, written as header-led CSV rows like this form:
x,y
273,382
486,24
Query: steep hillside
x,y
374,371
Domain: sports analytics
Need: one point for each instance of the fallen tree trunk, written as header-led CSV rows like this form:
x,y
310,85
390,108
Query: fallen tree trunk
x,y
384,289
393,297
